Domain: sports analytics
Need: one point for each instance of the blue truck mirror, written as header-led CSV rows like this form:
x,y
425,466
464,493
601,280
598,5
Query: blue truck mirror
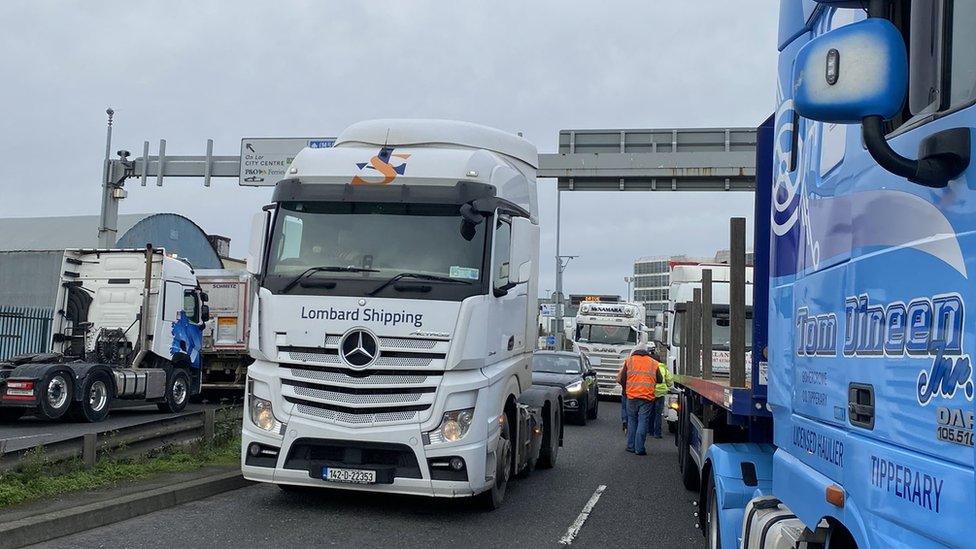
x,y
850,73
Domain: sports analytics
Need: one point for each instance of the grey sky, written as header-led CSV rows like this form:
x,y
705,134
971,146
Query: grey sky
x,y
187,71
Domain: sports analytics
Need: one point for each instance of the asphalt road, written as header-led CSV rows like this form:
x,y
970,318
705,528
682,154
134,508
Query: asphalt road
x,y
643,505
29,431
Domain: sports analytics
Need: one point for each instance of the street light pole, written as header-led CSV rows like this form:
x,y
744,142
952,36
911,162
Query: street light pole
x,y
629,280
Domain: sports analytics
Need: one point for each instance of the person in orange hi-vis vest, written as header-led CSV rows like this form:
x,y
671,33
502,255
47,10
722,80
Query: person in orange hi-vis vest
x,y
639,375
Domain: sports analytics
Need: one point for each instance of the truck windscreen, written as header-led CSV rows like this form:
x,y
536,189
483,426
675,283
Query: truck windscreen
x,y
606,334
352,248
720,331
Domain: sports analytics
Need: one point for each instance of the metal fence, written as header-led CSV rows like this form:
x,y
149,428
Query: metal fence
x,y
24,330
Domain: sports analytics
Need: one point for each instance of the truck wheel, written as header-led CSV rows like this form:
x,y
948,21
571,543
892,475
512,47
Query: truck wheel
x,y
713,530
55,397
493,497
592,414
96,396
177,392
10,415
550,439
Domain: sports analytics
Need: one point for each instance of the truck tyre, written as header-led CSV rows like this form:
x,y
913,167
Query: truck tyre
x,y
10,415
56,389
493,497
550,437
177,391
592,414
96,397
712,527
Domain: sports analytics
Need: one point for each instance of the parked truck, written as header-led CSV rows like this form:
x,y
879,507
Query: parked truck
x,y
854,426
395,316
127,325
225,335
606,333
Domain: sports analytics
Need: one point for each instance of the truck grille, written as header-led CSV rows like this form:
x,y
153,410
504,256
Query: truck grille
x,y
400,386
606,372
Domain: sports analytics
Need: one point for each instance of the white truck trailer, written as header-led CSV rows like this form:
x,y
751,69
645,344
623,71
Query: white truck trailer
x,y
395,316
606,333
225,335
127,325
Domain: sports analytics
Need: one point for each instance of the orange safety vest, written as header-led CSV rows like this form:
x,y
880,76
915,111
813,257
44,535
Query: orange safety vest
x,y
642,374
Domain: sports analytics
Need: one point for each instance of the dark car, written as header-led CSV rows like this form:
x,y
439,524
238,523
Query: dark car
x,y
573,373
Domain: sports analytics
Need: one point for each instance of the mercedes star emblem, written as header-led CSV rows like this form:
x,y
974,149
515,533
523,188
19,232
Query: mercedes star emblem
x,y
359,348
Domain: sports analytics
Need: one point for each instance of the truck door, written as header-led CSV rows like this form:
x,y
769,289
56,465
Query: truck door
x,y
506,336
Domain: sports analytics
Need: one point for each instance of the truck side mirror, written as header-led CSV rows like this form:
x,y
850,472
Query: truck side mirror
x,y
524,244
255,252
859,73
850,73
204,313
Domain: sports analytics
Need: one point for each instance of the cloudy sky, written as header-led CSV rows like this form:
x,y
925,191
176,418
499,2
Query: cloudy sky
x,y
191,70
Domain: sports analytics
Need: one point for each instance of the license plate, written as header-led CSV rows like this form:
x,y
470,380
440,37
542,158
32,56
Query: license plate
x,y
355,476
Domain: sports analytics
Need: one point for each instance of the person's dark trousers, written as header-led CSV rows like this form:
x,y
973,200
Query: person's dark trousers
x,y
638,422
657,417
623,408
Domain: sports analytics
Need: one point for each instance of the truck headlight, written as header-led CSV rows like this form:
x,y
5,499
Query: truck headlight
x,y
454,425
261,411
575,387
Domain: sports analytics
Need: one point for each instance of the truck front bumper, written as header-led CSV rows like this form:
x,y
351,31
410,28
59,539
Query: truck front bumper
x,y
298,451
402,463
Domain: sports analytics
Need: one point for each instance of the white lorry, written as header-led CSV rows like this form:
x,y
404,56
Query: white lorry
x,y
127,325
225,335
684,280
395,316
606,333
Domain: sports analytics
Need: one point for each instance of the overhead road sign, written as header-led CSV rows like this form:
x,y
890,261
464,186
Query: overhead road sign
x,y
264,160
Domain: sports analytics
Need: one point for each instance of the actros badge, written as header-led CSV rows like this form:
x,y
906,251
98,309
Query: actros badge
x,y
359,348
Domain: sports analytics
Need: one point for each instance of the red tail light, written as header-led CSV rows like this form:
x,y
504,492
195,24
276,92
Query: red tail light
x,y
19,390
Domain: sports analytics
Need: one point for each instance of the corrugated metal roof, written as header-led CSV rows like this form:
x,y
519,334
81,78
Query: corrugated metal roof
x,y
57,233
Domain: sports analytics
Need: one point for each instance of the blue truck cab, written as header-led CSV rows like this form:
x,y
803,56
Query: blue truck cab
x,y
856,426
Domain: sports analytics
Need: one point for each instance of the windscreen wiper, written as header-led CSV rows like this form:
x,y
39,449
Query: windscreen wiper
x,y
327,269
419,276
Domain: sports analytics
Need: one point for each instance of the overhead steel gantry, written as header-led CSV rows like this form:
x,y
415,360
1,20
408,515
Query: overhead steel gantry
x,y
719,159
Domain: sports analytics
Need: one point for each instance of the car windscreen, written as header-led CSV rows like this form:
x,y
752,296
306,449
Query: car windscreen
x,y
555,364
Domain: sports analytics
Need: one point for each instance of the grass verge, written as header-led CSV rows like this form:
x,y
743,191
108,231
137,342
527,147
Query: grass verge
x,y
39,480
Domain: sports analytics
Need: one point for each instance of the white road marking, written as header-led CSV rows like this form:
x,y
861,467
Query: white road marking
x,y
577,525
27,436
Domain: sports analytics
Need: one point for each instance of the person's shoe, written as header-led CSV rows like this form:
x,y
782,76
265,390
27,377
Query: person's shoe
x,y
641,453
631,450
658,436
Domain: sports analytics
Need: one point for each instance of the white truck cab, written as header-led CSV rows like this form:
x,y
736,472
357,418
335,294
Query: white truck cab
x,y
394,319
606,333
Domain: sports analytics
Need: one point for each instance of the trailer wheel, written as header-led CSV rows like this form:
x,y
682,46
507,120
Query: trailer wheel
x,y
177,391
55,397
96,397
550,437
10,415
493,497
713,530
